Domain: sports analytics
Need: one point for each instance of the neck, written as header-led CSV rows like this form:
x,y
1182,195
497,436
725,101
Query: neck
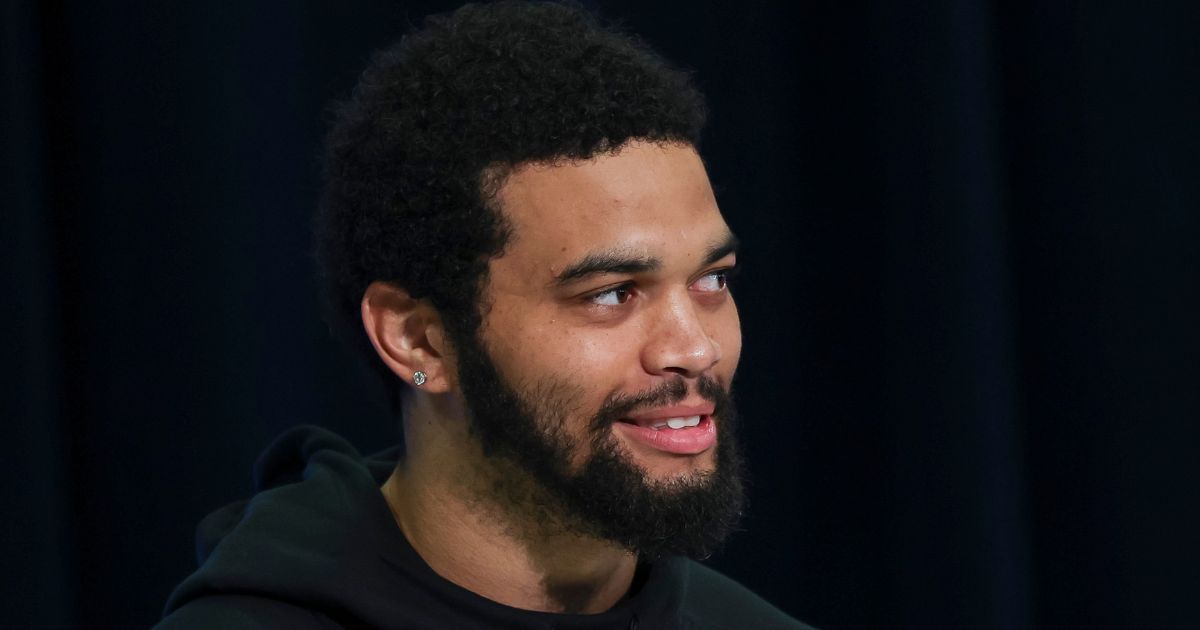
x,y
443,496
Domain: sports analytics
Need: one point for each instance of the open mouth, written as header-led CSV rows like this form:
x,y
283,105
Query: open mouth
x,y
679,435
658,424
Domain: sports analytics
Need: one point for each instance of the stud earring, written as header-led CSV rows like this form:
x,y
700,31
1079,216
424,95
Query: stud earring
x,y
419,378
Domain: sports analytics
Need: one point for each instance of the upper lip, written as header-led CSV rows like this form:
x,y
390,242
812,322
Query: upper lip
x,y
675,411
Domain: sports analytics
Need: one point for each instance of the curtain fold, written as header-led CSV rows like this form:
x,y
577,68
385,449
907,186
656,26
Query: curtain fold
x,y
969,301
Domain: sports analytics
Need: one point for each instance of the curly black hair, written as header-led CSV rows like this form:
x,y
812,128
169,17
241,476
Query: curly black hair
x,y
417,153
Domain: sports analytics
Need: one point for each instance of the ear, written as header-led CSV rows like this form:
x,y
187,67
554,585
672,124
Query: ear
x,y
407,334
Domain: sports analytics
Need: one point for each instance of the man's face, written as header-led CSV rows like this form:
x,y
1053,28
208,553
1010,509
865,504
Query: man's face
x,y
608,325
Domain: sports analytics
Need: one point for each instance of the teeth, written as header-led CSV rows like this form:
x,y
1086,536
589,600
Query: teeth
x,y
677,423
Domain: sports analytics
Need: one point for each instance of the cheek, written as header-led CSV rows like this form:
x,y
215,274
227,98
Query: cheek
x,y
596,363
593,361
598,360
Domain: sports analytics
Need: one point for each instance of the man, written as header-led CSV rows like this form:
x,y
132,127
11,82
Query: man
x,y
517,218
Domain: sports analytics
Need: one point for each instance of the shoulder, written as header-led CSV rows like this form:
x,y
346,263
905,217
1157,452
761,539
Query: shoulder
x,y
715,602
243,612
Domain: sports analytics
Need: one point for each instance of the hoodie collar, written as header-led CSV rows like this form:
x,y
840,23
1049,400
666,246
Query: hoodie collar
x,y
319,534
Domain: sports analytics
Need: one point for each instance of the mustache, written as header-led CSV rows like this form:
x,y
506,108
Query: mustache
x,y
618,406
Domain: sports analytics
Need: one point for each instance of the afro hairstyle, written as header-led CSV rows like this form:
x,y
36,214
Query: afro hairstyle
x,y
416,154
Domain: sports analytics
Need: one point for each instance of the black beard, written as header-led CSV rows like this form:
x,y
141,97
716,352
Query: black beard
x,y
609,497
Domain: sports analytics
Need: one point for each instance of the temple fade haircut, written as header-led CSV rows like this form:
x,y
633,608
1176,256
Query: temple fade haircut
x,y
416,155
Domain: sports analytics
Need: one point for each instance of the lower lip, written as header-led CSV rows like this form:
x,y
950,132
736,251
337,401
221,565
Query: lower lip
x,y
685,441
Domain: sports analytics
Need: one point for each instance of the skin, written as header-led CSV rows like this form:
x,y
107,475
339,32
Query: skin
x,y
606,333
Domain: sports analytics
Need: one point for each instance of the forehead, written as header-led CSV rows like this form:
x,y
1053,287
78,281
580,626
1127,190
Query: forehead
x,y
643,199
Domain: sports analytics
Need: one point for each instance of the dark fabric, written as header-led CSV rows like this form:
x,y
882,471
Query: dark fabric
x,y
316,547
969,295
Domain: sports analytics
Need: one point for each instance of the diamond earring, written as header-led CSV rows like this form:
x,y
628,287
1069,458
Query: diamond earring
x,y
419,377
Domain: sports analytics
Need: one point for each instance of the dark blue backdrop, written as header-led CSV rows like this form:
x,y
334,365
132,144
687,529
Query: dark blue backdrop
x,y
970,378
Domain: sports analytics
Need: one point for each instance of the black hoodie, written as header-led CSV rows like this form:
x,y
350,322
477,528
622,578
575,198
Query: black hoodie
x,y
317,547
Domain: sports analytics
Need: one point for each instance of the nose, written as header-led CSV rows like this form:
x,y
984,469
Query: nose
x,y
678,342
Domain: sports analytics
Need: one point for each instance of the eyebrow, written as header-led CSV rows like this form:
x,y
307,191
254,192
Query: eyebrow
x,y
720,249
606,262
626,262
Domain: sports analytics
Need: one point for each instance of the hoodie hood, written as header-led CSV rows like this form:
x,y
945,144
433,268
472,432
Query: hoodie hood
x,y
319,535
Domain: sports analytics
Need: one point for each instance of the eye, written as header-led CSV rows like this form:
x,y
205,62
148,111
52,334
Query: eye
x,y
615,296
712,282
